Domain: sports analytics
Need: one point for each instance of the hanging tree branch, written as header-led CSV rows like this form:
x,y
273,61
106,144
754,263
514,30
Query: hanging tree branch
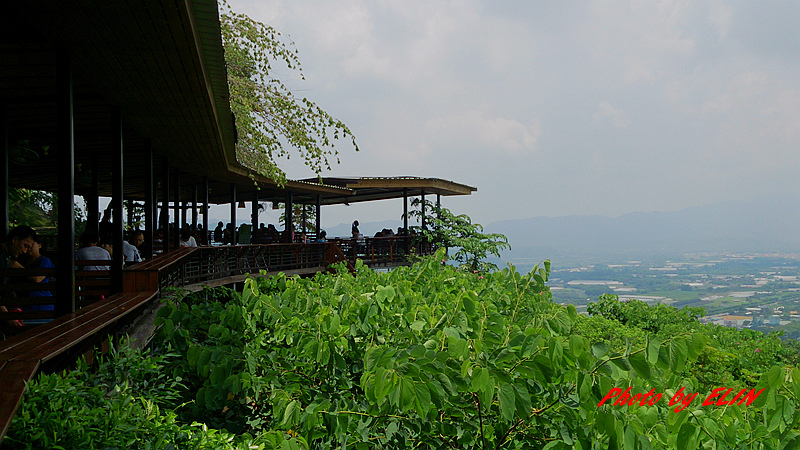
x,y
271,122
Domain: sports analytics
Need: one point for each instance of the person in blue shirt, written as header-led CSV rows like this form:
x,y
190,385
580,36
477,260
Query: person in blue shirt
x,y
38,261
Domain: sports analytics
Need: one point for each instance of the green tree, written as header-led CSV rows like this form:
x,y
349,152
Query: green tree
x,y
30,207
451,231
297,217
270,120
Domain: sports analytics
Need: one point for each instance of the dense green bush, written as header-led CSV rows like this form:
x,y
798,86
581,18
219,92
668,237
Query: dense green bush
x,y
419,357
128,401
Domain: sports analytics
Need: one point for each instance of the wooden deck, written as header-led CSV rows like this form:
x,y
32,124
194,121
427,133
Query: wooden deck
x,y
52,345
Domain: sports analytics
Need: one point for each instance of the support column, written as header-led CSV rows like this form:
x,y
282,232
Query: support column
x,y
194,207
438,208
165,235
405,210
254,219
93,200
205,211
288,226
233,213
422,210
176,205
4,218
303,219
149,202
319,210
117,258
65,270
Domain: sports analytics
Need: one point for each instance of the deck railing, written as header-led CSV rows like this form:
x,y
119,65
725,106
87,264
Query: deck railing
x,y
66,337
383,251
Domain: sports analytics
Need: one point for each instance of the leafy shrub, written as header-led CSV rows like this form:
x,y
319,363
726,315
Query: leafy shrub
x,y
123,403
430,357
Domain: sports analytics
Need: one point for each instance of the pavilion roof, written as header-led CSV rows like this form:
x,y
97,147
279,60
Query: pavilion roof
x,y
161,63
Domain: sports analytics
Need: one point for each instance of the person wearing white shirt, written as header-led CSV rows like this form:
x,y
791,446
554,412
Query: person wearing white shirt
x,y
130,248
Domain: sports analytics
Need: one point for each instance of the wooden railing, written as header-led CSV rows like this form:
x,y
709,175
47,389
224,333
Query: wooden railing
x,y
66,337
383,251
223,265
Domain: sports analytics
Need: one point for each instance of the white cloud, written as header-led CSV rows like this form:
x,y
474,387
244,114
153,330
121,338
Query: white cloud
x,y
607,111
478,131
612,99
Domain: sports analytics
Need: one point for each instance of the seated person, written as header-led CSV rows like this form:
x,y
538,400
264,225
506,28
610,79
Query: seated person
x,y
91,251
35,260
322,237
18,242
187,240
130,248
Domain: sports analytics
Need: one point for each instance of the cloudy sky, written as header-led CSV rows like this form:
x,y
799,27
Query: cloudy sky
x,y
555,108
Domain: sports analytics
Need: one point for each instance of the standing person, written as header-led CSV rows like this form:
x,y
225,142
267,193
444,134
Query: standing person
x,y
354,230
218,233
130,248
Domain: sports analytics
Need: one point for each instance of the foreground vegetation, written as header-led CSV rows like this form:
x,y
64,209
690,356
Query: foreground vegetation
x,y
420,357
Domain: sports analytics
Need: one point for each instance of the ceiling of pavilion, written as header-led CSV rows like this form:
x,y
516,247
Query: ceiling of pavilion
x,y
161,63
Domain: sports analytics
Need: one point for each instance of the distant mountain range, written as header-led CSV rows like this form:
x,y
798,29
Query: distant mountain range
x,y
770,225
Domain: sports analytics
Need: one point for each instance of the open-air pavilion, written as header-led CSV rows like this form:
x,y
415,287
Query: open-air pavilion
x,y
128,99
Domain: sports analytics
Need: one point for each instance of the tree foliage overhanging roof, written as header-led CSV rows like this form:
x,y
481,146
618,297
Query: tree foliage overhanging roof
x,y
271,122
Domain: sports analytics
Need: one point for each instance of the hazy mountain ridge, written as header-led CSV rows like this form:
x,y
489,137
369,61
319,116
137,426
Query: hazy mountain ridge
x,y
769,225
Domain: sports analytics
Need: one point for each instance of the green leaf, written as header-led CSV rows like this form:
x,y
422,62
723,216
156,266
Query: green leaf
x,y
653,345
408,394
775,377
288,415
577,345
639,363
686,437
507,401
599,349
445,381
422,399
629,439
469,305
480,379
678,353
622,363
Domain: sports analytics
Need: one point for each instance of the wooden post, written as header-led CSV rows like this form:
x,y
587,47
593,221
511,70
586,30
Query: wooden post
x,y
233,213
288,227
438,208
149,202
405,210
205,211
303,219
65,271
117,258
176,205
254,218
319,210
422,210
93,200
194,207
165,237
4,221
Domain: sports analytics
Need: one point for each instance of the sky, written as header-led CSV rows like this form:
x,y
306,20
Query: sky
x,y
554,108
